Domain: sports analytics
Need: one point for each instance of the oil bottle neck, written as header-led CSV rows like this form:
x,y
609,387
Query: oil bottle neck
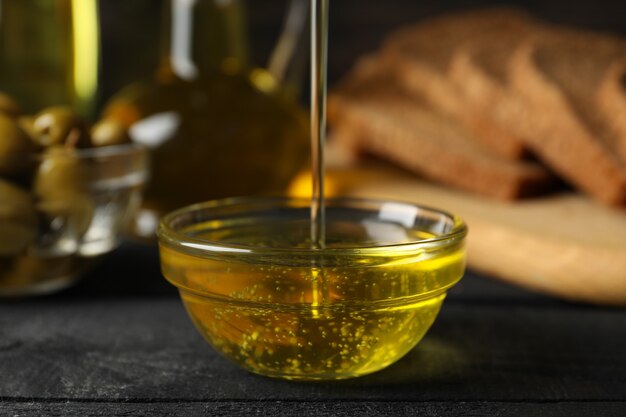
x,y
203,37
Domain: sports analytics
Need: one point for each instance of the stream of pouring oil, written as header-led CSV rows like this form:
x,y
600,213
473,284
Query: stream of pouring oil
x,y
319,70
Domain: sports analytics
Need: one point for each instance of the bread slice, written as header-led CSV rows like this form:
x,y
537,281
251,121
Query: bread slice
x,y
424,53
479,69
611,102
555,73
387,122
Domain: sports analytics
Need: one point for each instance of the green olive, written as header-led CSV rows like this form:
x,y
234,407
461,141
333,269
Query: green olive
x,y
61,185
27,124
108,132
15,236
16,202
13,141
15,146
9,106
75,214
59,126
27,270
61,175
18,219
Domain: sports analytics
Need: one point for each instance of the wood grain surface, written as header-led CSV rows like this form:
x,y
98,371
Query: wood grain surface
x,y
563,244
314,408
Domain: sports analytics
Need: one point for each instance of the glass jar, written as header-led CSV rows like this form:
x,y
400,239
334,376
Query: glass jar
x,y
217,125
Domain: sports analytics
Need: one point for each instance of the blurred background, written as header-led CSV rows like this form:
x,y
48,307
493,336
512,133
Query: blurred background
x,y
130,28
231,129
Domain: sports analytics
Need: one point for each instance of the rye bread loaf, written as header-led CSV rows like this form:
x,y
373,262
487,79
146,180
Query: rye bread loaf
x,y
423,55
555,73
387,122
611,102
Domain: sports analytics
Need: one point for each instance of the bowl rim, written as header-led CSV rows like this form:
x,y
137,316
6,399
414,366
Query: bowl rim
x,y
167,235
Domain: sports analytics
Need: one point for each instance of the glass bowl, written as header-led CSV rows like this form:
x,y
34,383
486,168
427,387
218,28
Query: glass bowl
x,y
264,298
61,210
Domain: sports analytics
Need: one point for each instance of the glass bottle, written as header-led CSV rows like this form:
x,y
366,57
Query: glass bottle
x,y
49,53
217,127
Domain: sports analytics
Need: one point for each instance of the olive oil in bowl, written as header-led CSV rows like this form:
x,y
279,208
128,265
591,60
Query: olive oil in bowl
x,y
312,289
264,298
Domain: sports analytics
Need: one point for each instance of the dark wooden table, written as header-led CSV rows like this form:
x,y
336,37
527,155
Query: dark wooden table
x,y
120,343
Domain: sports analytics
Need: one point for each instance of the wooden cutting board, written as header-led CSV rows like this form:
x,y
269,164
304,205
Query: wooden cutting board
x,y
565,245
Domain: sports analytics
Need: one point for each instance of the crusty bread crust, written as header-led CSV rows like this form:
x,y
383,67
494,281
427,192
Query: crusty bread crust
x,y
458,85
478,68
432,43
387,122
611,102
423,55
552,126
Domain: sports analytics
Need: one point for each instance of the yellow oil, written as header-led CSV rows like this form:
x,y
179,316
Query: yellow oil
x,y
344,315
49,53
